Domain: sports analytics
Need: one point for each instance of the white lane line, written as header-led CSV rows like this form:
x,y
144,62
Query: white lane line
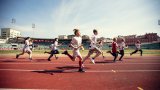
x,y
139,63
122,71
34,63
114,71
21,70
74,70
139,88
24,89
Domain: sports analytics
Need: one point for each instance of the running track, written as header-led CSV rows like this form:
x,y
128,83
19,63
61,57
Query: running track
x,y
133,73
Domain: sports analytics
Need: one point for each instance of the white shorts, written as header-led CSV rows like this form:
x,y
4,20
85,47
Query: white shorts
x,y
76,53
92,46
27,50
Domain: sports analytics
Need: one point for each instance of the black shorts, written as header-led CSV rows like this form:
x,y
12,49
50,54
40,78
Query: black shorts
x,y
115,54
54,52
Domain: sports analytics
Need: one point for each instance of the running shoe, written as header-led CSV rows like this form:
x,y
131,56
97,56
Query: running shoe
x,y
92,60
65,52
81,70
56,58
49,59
108,52
17,56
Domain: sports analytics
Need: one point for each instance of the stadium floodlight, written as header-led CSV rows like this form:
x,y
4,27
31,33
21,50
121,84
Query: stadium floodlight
x,y
13,21
33,27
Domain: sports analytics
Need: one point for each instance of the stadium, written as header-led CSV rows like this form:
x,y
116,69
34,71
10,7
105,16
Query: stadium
x,y
79,44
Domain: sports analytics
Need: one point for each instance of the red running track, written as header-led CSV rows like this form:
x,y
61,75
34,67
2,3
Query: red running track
x,y
133,73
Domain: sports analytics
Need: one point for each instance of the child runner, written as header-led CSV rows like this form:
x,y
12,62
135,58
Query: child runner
x,y
93,47
138,48
54,49
31,44
121,49
100,45
26,49
76,44
114,49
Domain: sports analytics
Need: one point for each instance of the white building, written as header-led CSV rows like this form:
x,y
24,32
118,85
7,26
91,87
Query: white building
x,y
108,40
9,33
62,37
85,37
3,40
70,36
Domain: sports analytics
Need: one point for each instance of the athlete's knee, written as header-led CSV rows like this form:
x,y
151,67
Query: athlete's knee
x,y
89,54
98,53
29,52
51,54
73,58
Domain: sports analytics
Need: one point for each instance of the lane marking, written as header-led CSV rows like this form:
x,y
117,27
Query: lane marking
x,y
75,70
23,89
123,71
139,88
114,71
34,63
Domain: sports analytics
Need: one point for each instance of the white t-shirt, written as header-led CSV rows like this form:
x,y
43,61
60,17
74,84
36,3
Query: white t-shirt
x,y
122,46
138,46
26,45
76,41
54,46
93,41
100,46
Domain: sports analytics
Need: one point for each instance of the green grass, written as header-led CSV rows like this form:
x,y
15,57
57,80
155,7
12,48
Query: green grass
x,y
145,51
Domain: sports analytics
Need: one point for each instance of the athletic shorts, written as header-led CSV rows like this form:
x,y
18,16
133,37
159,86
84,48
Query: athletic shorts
x,y
54,52
91,51
76,53
27,50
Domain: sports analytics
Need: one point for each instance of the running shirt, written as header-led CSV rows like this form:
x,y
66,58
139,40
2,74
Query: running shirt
x,y
26,45
122,46
100,45
31,45
93,41
114,47
76,41
54,46
138,46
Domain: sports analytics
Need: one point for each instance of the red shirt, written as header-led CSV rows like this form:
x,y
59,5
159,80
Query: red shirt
x,y
114,47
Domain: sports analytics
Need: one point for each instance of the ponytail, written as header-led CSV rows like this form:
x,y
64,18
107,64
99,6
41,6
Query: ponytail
x,y
75,31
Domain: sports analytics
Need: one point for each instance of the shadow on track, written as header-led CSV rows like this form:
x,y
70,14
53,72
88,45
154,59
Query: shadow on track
x,y
18,60
40,60
51,72
64,69
8,61
105,61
